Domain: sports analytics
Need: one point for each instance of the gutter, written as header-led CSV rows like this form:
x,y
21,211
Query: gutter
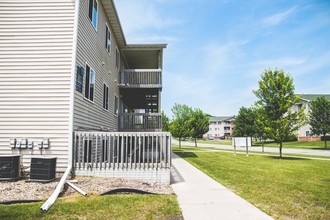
x,y
50,201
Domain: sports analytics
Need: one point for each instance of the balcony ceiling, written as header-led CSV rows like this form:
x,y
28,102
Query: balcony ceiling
x,y
138,56
144,56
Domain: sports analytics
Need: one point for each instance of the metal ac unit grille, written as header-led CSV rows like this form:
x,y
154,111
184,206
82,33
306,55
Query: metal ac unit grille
x,y
43,169
9,167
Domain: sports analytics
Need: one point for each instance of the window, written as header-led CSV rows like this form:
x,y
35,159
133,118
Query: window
x,y
105,97
107,39
308,133
93,13
116,105
79,79
117,59
89,83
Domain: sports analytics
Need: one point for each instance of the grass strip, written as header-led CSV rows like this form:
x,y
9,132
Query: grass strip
x,y
98,207
289,188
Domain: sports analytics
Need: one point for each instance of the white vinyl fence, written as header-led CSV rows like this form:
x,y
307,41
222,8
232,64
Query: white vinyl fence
x,y
133,155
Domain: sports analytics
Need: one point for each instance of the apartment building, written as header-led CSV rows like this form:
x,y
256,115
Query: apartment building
x,y
304,133
220,127
70,85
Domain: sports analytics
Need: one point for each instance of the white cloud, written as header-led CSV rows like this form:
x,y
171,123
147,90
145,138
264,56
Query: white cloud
x,y
219,58
285,63
278,17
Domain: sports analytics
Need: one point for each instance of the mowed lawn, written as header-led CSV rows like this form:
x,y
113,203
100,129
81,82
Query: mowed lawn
x,y
99,207
288,188
318,145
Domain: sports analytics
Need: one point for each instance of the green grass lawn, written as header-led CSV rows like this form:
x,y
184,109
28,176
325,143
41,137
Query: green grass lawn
x,y
319,145
99,207
289,188
217,142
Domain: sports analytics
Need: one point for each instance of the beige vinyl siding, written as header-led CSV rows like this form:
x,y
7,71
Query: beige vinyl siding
x,y
91,50
36,45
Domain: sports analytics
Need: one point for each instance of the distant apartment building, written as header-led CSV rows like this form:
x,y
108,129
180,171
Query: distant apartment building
x,y
220,127
305,133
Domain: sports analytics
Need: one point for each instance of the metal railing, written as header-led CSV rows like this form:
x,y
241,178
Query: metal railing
x,y
138,122
141,78
122,150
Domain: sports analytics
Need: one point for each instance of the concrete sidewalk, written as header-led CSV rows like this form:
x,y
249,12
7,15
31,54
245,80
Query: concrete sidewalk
x,y
202,198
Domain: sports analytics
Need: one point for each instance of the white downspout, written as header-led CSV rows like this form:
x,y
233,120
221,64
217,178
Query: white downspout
x,y
50,201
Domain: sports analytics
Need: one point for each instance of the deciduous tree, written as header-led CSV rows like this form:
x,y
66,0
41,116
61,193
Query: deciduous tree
x,y
199,124
245,123
320,117
179,127
276,96
165,122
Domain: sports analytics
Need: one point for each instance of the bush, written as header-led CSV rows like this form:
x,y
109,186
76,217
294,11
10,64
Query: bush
x,y
327,138
291,137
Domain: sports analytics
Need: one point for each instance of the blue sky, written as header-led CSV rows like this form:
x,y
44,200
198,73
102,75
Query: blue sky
x,y
217,49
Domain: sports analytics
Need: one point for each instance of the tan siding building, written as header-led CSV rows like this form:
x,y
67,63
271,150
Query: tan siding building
x,y
91,51
36,47
304,133
60,72
221,127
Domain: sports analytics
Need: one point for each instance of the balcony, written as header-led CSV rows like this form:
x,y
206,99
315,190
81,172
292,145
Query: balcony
x,y
141,78
138,122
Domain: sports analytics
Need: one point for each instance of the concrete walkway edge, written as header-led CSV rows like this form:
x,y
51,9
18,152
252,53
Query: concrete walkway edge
x,y
200,197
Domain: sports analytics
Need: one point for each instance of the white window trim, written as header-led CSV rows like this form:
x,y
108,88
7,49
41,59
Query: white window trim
x,y
90,70
97,15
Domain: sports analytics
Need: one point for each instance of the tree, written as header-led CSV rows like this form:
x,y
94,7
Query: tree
x,y
179,127
165,122
245,123
260,125
199,124
276,96
320,117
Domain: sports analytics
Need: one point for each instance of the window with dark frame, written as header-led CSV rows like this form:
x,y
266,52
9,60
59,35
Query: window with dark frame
x,y
108,39
105,97
79,79
93,12
89,83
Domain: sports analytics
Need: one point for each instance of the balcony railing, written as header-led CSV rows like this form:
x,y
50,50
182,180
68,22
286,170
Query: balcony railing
x,y
141,78
140,122
132,155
